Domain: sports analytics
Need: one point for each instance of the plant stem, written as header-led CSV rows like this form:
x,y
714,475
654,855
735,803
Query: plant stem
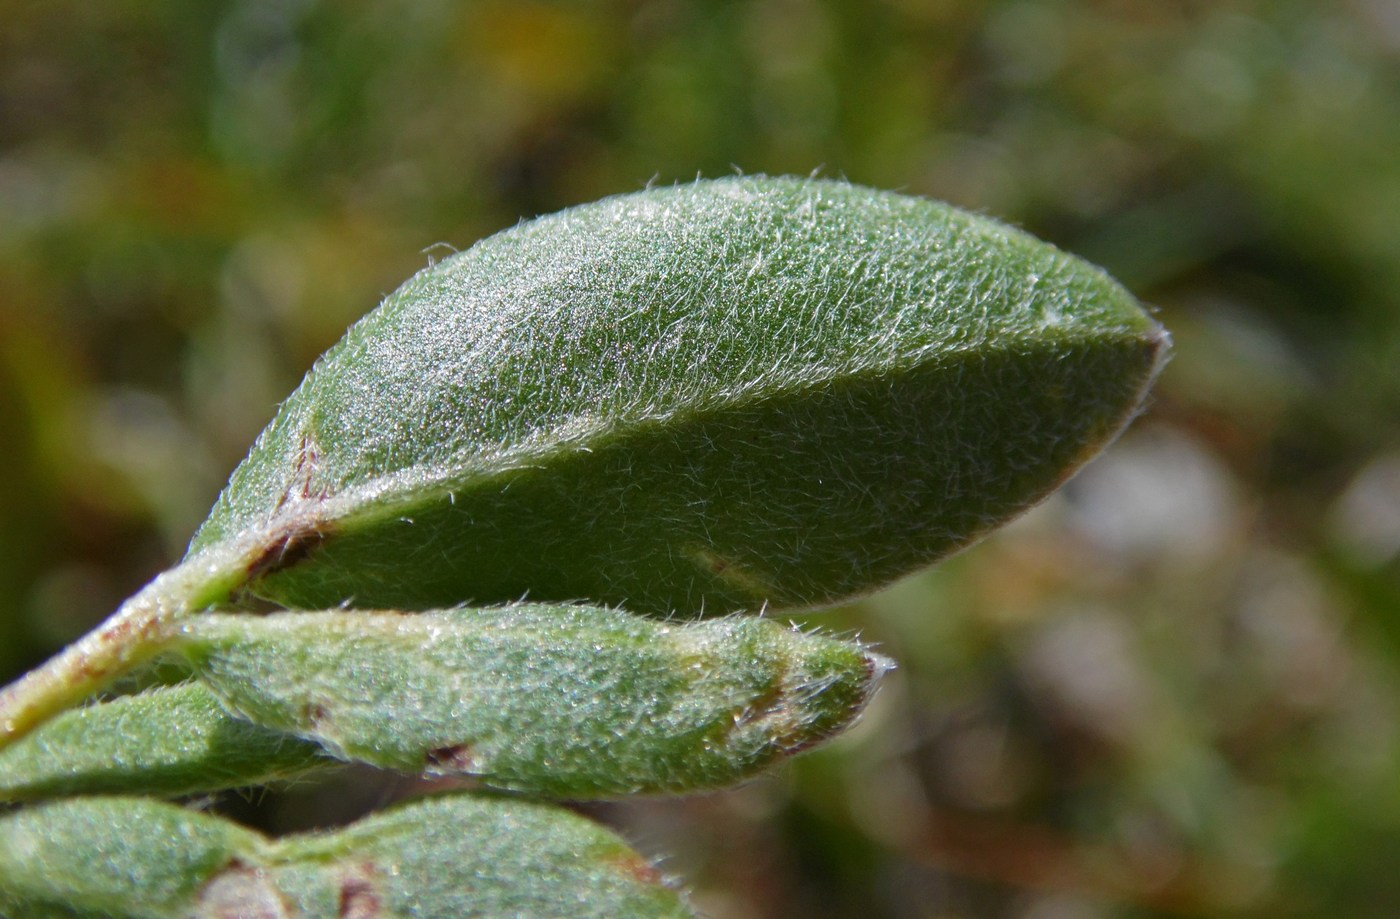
x,y
139,630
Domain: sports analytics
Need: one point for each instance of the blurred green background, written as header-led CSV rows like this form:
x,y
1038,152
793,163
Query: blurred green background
x,y
1172,690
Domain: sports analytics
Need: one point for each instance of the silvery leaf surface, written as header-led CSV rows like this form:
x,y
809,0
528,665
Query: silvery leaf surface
x,y
703,398
567,701
174,740
451,856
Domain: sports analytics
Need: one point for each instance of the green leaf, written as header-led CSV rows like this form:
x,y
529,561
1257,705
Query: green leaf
x,y
444,857
712,397
174,740
467,856
569,701
92,858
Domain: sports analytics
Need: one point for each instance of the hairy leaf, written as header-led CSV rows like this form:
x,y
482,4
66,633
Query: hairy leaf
x,y
568,701
468,856
91,858
708,397
444,857
173,740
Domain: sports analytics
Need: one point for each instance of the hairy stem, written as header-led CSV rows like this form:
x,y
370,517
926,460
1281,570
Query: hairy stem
x,y
140,629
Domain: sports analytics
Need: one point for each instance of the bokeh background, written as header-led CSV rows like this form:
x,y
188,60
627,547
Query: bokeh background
x,y
1172,690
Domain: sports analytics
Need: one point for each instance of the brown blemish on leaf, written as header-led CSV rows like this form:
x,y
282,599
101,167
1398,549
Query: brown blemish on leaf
x,y
788,732
795,742
453,759
792,747
302,531
767,704
240,891
301,486
359,893
314,714
770,713
728,570
638,869
288,549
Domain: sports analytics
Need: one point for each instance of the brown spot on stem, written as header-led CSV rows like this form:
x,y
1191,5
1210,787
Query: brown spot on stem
x,y
124,630
454,759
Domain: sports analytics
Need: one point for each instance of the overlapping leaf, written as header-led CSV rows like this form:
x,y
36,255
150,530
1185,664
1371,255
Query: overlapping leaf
x,y
569,701
173,740
457,855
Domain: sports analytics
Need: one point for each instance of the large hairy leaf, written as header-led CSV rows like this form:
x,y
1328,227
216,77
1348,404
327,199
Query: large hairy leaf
x,y
703,398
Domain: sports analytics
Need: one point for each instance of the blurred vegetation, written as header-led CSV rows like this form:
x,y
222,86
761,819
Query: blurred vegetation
x,y
1171,690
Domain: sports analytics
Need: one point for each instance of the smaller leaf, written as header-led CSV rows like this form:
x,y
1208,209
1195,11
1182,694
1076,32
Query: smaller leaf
x,y
572,701
127,858
444,857
173,740
465,855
